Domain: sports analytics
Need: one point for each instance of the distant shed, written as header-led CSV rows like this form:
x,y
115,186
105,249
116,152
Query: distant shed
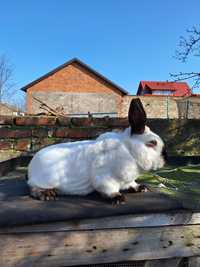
x,y
9,110
77,88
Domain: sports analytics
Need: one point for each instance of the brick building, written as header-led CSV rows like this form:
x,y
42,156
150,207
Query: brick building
x,y
78,88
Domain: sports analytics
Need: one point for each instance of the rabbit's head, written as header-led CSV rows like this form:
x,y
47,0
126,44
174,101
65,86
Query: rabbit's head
x,y
147,147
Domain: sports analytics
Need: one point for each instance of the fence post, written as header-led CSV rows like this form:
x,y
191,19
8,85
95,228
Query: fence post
x,y
167,107
187,108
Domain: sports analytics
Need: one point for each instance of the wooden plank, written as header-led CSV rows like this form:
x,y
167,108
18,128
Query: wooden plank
x,y
163,263
194,262
25,210
55,249
115,222
7,166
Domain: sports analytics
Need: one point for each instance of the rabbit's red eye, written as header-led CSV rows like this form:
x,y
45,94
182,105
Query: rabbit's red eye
x,y
151,143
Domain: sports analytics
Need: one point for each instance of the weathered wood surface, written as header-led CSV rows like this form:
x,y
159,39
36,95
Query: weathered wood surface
x,y
89,230
11,164
194,262
17,208
56,249
114,222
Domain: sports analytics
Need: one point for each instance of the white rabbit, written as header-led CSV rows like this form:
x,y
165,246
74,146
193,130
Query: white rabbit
x,y
108,164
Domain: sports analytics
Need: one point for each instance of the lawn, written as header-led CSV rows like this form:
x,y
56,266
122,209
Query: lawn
x,y
182,183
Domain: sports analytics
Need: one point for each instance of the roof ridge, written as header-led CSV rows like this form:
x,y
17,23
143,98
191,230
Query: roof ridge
x,y
162,81
73,60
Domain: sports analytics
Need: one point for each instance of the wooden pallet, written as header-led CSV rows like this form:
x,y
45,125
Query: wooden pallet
x,y
151,230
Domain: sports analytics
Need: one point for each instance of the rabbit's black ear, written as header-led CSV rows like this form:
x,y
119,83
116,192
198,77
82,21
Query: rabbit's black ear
x,y
137,116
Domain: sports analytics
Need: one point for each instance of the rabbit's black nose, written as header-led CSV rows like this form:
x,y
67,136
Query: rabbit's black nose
x,y
164,154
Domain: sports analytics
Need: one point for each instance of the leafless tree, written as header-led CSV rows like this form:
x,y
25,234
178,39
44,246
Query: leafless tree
x,y
188,46
6,76
8,92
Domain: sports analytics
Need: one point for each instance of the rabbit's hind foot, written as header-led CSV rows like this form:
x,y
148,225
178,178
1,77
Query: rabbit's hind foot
x,y
143,188
43,194
140,188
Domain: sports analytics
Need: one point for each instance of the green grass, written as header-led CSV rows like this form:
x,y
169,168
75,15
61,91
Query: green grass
x,y
182,183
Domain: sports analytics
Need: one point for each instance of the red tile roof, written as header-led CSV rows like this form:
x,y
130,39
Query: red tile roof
x,y
178,88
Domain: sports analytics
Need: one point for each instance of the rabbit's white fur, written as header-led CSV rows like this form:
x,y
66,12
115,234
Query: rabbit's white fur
x,y
108,164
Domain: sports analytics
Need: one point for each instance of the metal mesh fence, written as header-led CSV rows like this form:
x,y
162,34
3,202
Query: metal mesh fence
x,y
188,108
183,263
122,264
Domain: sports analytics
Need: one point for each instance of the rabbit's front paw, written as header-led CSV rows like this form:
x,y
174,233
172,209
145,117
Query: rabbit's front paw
x,y
132,190
143,188
118,198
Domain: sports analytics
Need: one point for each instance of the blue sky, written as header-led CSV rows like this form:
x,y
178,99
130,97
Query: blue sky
x,y
125,40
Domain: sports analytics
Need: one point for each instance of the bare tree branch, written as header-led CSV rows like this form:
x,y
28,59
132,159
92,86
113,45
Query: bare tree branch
x,y
6,82
189,45
8,92
182,76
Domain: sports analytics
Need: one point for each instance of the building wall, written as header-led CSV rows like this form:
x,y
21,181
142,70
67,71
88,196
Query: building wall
x,y
165,107
74,79
155,106
79,104
5,110
193,107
